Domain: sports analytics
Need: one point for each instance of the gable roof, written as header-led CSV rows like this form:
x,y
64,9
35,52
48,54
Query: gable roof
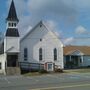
x,y
11,49
75,52
30,31
12,16
83,49
40,23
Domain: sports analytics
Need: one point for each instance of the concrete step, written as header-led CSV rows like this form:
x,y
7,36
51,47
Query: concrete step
x,y
13,71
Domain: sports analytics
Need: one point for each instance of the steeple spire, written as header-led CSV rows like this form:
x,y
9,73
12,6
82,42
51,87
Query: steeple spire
x,y
12,16
12,21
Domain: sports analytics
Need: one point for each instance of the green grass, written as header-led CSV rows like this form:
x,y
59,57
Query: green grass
x,y
77,71
32,74
64,71
85,71
42,72
39,74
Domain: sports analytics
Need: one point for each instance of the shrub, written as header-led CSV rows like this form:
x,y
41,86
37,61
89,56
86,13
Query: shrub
x,y
34,70
59,70
43,71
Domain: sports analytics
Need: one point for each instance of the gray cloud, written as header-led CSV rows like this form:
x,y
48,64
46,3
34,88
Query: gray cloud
x,y
44,9
32,11
54,9
51,6
80,30
69,41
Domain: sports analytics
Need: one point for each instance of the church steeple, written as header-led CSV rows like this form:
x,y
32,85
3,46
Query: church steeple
x,y
12,16
12,21
11,41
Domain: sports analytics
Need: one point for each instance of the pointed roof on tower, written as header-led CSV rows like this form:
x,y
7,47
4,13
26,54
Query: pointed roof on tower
x,y
12,16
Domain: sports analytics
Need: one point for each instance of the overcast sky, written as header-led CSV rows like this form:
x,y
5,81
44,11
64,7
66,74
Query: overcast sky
x,y
70,19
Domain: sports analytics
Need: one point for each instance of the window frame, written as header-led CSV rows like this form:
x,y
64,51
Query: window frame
x,y
0,65
9,24
14,24
40,54
55,54
25,54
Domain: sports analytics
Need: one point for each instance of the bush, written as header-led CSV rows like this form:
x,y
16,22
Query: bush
x,y
43,71
59,70
33,70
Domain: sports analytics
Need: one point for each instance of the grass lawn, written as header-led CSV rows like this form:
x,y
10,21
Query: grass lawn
x,y
87,70
42,72
38,73
32,74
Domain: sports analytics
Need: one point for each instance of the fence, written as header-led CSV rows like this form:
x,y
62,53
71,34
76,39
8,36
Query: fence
x,y
31,66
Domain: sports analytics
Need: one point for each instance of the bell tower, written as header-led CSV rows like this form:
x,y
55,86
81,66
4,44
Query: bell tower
x,y
12,39
12,22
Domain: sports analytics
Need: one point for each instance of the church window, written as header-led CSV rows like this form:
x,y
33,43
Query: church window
x,y
55,54
40,25
14,24
40,54
40,39
25,54
0,66
9,24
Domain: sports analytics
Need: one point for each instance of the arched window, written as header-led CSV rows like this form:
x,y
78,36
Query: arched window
x,y
0,65
9,24
40,54
25,54
55,54
14,24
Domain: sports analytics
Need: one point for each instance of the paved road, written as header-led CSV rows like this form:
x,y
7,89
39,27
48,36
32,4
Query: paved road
x,y
46,82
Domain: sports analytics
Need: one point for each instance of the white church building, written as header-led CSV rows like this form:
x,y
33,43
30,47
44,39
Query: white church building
x,y
40,48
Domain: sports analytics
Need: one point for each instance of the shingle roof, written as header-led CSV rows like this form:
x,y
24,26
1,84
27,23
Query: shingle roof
x,y
84,49
12,32
12,16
